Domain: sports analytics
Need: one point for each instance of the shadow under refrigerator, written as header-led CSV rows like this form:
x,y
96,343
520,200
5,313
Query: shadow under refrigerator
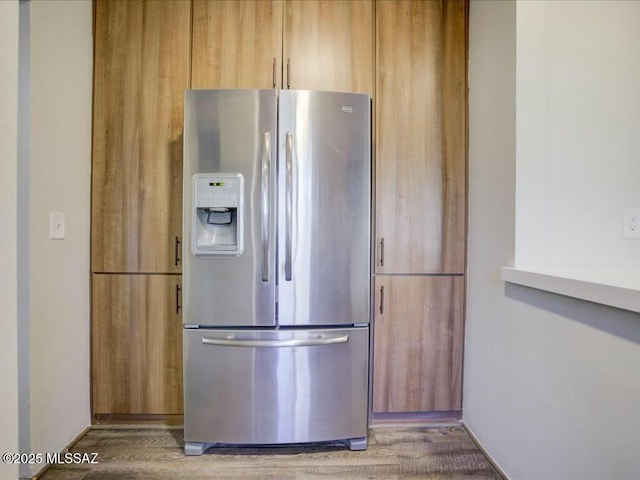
x,y
276,272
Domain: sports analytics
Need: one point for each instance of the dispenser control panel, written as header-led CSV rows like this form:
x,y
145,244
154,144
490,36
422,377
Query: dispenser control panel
x,y
217,192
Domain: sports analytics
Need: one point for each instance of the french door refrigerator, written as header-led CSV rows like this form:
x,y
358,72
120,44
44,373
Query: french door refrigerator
x,y
276,267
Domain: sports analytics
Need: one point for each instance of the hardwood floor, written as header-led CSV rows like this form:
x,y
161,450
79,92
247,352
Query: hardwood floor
x,y
145,453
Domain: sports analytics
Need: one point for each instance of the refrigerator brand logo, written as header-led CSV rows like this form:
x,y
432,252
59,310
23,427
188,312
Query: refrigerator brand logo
x,y
347,109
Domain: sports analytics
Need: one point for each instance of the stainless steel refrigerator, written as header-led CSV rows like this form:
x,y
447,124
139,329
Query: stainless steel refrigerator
x,y
276,272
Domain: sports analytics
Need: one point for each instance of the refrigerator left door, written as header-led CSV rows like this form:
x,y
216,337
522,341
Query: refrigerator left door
x,y
230,134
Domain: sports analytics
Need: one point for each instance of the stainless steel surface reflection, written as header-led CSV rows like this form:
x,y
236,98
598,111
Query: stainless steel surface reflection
x,y
327,212
276,394
227,132
277,332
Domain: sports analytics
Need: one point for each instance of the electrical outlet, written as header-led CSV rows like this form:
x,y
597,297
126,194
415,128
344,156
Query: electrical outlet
x,y
632,223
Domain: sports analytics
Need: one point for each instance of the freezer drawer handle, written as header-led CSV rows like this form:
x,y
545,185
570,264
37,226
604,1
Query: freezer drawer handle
x,y
266,162
231,341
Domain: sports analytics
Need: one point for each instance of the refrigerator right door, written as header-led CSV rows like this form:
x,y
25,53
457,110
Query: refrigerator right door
x,y
324,208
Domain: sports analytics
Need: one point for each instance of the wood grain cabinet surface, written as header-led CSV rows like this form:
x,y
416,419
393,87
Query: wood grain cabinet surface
x,y
237,44
409,55
298,44
136,350
140,74
420,136
420,205
141,69
329,45
418,338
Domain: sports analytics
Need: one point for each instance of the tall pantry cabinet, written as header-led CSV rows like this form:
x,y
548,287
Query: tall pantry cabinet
x,y
420,210
409,56
141,71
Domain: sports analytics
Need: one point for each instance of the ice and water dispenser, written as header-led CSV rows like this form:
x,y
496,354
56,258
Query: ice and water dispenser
x,y
218,214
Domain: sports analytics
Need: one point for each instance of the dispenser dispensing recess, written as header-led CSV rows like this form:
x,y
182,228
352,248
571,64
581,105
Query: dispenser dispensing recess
x,y
218,214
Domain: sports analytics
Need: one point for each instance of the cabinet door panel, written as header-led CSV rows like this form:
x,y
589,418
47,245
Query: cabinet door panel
x,y
141,72
235,43
329,45
136,345
421,136
418,341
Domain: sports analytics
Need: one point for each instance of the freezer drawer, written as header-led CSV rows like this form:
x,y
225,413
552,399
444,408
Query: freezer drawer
x,y
269,387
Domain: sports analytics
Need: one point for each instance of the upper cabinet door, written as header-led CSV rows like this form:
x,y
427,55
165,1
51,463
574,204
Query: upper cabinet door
x,y
328,45
421,136
141,72
237,44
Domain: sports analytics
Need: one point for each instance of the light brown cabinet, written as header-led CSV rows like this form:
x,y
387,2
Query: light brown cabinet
x,y
420,205
136,354
237,44
311,45
420,136
141,71
328,45
418,340
410,56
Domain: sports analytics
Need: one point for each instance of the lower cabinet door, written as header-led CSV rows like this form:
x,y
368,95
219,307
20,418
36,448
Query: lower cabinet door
x,y
136,357
418,342
270,387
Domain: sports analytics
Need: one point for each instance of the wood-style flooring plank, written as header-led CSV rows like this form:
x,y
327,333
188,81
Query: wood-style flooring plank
x,y
140,453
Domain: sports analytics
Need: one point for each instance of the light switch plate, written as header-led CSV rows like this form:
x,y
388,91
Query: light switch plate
x,y
56,225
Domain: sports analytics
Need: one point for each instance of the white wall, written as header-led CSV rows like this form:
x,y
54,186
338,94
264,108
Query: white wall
x,y
578,147
61,49
8,234
60,169
551,385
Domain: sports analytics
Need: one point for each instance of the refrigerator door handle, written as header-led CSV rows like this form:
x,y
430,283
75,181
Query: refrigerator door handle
x,y
266,172
231,341
289,207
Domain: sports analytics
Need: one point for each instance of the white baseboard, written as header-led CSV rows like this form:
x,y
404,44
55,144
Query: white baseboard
x,y
493,463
